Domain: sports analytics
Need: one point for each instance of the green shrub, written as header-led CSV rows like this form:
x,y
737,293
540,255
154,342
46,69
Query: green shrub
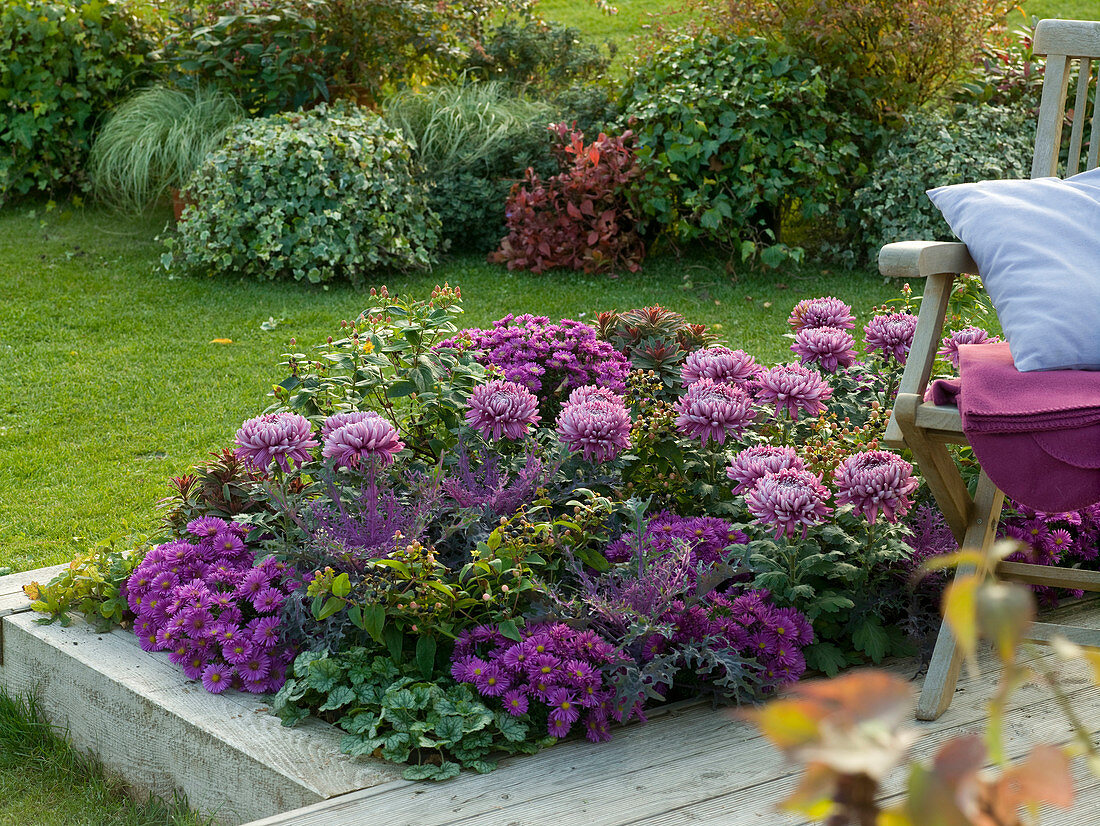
x,y
65,66
734,139
548,57
155,140
971,143
318,195
472,141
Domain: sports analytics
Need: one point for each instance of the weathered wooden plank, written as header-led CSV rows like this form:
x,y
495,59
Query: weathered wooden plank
x,y
1076,38
1049,575
147,722
12,597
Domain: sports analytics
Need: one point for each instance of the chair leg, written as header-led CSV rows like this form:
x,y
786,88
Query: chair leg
x,y
943,670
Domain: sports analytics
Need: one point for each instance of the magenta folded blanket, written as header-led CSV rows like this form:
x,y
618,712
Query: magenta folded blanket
x,y
1036,434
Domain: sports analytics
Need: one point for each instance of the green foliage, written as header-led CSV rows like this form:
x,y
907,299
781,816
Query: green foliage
x,y
90,585
734,139
221,486
155,140
62,66
389,361
270,57
971,143
393,713
654,339
547,57
472,140
317,195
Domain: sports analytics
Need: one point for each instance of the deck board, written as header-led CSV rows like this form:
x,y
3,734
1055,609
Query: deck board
x,y
694,766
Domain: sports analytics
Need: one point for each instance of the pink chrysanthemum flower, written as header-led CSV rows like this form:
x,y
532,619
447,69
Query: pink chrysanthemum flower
x,y
275,437
754,463
792,387
374,439
719,363
338,420
827,347
789,500
597,427
892,334
502,409
821,312
875,481
712,410
949,347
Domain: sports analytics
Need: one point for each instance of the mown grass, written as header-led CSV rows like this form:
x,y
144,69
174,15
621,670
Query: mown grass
x,y
113,382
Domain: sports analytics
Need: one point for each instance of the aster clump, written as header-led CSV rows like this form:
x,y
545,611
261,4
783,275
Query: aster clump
x,y
705,539
789,500
282,438
892,334
554,670
596,425
205,601
830,348
710,409
821,312
720,364
792,387
874,482
371,440
949,347
752,464
502,409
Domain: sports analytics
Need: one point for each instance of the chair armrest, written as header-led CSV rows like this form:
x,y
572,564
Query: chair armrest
x,y
919,259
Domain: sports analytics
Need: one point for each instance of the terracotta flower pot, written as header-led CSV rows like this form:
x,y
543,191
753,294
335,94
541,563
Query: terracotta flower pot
x,y
180,201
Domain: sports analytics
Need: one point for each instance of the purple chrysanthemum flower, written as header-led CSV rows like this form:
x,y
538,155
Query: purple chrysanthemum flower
x,y
275,437
828,347
874,481
502,408
338,420
217,677
789,500
712,410
719,363
372,439
597,427
892,334
949,347
754,463
792,387
821,312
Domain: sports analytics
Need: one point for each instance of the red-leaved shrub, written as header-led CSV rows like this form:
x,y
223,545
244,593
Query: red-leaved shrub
x,y
582,217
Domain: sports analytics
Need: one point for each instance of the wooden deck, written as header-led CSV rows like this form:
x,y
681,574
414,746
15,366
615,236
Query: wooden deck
x,y
693,766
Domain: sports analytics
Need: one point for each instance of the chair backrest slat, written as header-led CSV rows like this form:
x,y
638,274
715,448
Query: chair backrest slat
x,y
1080,105
1065,42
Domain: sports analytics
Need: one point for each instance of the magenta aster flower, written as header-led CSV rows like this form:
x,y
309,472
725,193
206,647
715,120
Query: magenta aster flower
x,y
502,408
821,312
338,420
712,410
874,481
719,363
789,499
275,437
372,438
217,677
892,334
949,347
827,347
754,463
793,387
597,427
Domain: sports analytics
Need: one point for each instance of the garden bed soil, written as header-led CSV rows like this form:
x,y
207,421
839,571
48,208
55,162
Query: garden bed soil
x,y
163,733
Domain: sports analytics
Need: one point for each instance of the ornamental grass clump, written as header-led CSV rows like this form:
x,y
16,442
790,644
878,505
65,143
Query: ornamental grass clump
x,y
205,601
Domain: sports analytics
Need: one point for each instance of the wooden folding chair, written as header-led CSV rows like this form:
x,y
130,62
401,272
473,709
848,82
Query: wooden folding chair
x,y
926,429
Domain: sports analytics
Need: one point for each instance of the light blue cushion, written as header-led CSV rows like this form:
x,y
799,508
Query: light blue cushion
x,y
1037,246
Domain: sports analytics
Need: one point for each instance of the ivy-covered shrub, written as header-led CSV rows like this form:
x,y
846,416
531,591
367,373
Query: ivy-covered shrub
x,y
473,141
314,195
971,143
583,218
734,140
62,67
